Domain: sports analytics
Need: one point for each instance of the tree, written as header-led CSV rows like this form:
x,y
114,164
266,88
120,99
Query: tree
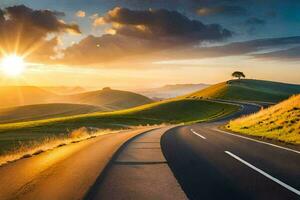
x,y
238,75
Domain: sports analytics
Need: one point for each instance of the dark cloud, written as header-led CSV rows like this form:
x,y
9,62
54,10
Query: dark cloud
x,y
139,32
252,48
108,48
226,10
253,25
253,21
287,54
153,24
23,30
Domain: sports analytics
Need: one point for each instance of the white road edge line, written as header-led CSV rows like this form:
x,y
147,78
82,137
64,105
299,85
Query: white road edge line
x,y
198,134
264,173
254,140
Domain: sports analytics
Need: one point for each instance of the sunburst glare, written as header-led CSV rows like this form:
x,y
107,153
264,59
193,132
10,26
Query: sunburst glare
x,y
13,65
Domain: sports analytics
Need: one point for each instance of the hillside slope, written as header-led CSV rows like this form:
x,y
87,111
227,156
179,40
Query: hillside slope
x,y
108,98
44,111
171,111
280,122
248,90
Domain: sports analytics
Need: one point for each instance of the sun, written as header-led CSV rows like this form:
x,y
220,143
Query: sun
x,y
13,65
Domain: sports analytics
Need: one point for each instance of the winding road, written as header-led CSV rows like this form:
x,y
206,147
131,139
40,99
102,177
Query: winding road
x,y
210,163
196,161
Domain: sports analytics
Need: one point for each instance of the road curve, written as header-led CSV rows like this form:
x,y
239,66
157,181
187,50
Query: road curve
x,y
138,171
63,173
210,164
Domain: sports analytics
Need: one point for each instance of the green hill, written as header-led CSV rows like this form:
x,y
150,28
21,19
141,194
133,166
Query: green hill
x,y
175,111
280,122
248,90
111,99
107,99
44,111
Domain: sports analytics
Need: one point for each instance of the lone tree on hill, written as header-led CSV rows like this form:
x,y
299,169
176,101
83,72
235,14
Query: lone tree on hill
x,y
238,75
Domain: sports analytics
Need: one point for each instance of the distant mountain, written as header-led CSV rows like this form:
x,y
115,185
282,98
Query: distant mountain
x,y
107,98
170,91
248,90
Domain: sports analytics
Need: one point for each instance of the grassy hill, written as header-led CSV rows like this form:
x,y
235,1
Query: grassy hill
x,y
44,111
280,122
249,90
107,99
172,111
111,99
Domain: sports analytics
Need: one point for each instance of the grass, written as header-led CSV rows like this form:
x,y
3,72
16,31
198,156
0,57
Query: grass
x,y
44,111
108,98
175,111
249,90
37,147
280,122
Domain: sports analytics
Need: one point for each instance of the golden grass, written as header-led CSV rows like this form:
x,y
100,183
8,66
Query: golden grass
x,y
44,111
37,147
213,91
280,122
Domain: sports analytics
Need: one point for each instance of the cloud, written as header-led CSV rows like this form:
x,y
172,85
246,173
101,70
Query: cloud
x,y
286,54
107,48
222,10
80,14
252,48
138,32
254,21
161,23
24,30
252,25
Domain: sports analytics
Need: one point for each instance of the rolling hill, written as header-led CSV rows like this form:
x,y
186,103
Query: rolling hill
x,y
248,90
107,99
44,111
180,110
280,122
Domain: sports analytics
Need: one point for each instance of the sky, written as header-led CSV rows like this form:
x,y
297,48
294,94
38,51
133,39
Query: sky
x,y
130,44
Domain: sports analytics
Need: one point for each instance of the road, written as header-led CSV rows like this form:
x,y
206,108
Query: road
x,y
63,173
213,164
139,171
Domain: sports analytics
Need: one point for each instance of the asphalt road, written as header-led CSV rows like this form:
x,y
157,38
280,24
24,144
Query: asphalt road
x,y
210,164
138,171
64,173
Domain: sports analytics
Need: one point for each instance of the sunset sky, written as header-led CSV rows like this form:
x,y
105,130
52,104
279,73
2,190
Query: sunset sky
x,y
129,44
